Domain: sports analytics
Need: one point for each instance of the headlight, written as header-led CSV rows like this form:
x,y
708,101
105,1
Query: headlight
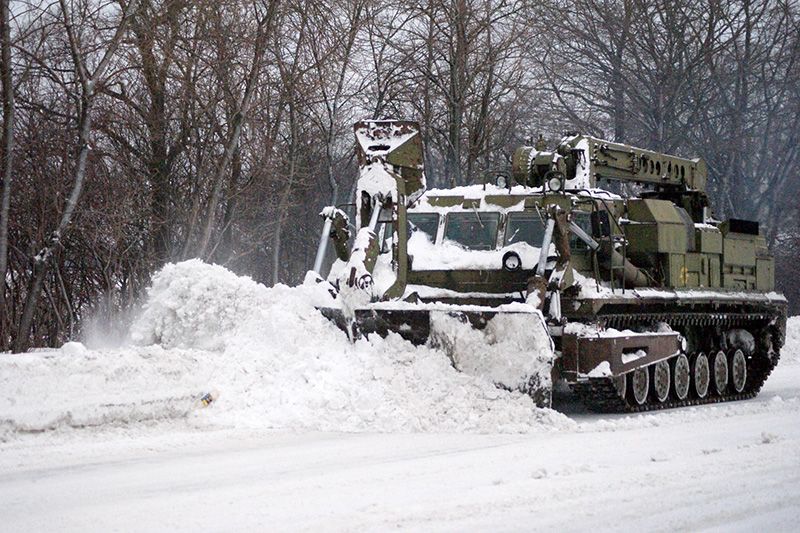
x,y
555,182
512,261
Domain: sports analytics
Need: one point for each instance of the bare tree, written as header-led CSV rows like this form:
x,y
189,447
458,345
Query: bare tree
x,y
7,148
333,66
163,61
708,79
293,66
466,59
750,129
385,62
628,67
265,16
88,83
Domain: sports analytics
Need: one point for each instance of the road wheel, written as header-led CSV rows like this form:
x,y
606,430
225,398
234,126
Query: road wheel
x,y
680,376
661,381
621,385
738,366
701,375
720,373
640,385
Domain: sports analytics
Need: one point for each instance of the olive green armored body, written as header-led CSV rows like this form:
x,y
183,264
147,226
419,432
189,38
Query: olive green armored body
x,y
648,301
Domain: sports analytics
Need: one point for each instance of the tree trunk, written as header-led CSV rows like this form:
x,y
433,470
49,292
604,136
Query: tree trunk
x,y
232,144
41,262
7,149
283,206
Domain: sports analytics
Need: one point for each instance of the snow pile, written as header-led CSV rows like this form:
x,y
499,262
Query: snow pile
x,y
196,305
275,360
373,385
285,366
790,353
278,364
76,387
514,350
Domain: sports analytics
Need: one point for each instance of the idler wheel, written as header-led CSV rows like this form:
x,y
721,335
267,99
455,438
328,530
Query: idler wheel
x,y
701,375
738,366
680,376
661,381
640,385
720,373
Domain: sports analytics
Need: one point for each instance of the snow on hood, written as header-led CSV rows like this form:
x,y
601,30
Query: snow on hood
x,y
277,363
452,256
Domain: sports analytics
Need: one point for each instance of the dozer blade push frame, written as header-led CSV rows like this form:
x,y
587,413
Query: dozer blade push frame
x,y
414,325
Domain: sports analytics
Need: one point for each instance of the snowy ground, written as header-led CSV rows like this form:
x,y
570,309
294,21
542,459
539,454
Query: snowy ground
x,y
313,433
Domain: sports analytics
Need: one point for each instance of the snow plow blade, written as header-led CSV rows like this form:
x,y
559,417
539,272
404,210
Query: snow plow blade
x,y
510,348
414,325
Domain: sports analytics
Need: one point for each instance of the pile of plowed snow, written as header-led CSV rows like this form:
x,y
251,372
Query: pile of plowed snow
x,y
790,353
276,362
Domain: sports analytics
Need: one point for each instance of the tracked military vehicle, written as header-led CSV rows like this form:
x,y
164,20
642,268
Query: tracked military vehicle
x,y
645,301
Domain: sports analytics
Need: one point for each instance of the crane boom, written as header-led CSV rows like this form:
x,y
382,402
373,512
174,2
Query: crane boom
x,y
584,161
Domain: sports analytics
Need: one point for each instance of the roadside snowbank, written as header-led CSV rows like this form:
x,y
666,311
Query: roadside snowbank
x,y
277,363
275,360
76,387
790,354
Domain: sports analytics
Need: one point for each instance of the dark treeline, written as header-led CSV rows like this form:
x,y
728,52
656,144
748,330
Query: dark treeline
x,y
140,132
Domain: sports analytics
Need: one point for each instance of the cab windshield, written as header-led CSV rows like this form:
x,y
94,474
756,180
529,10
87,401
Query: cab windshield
x,y
473,230
427,223
525,227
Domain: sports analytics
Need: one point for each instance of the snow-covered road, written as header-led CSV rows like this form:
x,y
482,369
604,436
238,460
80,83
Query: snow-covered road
x,y
314,433
730,467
